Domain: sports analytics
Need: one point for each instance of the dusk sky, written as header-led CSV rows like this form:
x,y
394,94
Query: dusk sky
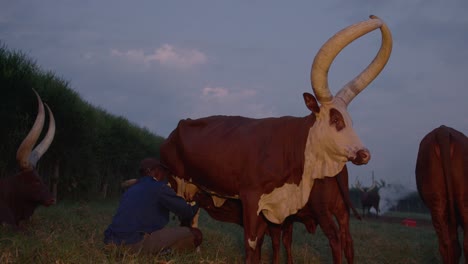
x,y
156,62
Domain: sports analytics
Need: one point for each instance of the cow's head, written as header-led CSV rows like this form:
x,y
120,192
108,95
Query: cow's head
x,y
32,187
375,187
333,136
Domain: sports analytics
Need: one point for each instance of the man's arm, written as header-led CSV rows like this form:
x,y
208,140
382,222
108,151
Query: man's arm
x,y
176,204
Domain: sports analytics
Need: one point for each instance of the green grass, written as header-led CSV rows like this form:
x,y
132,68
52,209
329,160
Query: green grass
x,y
73,232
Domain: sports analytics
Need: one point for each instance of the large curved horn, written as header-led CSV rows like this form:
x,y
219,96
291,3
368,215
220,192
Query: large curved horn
x,y
358,185
40,149
360,82
373,185
331,48
22,154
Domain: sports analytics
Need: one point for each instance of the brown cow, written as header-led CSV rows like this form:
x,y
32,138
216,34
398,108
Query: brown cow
x,y
22,193
442,182
270,164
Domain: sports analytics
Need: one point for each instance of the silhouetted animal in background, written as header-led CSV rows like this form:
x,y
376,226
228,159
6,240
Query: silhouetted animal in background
x,y
370,197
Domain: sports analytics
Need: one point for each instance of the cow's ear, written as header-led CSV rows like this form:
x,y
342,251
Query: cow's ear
x,y
311,103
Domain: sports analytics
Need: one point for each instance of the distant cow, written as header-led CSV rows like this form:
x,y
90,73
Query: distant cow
x,y
270,164
442,182
370,197
20,194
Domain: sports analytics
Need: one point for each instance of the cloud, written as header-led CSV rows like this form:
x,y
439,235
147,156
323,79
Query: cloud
x,y
87,56
218,92
136,56
166,55
221,93
219,100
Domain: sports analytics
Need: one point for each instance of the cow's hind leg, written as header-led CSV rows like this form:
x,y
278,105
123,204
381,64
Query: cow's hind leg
x,y
465,234
447,236
454,243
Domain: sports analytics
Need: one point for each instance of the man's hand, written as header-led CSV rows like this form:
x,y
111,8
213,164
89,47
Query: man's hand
x,y
188,222
195,207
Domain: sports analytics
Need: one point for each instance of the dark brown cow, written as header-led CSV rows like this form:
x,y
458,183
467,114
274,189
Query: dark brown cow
x,y
22,193
270,164
329,200
442,181
370,197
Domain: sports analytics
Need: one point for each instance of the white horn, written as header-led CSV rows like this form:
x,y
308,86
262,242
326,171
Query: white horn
x,y
360,82
40,149
329,51
22,154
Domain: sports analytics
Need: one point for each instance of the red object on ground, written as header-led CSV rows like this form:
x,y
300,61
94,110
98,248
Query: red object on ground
x,y
409,222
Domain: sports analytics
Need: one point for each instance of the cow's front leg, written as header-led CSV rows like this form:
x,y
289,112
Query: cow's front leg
x,y
254,228
342,216
275,234
329,228
287,229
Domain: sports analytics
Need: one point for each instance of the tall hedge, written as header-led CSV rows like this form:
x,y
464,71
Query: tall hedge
x,y
92,152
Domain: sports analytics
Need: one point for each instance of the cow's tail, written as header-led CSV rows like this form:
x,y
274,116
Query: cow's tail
x,y
443,138
344,191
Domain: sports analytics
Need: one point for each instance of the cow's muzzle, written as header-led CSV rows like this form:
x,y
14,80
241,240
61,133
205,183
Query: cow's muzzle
x,y
362,157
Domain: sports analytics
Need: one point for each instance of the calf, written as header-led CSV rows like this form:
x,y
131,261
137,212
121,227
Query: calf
x,y
22,193
329,199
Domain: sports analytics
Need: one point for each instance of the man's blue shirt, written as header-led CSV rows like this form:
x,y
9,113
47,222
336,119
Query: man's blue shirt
x,y
144,208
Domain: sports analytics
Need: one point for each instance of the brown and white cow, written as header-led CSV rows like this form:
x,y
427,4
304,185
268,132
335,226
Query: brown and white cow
x,y
270,164
22,193
442,182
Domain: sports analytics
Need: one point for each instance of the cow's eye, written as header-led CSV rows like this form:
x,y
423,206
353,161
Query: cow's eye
x,y
336,119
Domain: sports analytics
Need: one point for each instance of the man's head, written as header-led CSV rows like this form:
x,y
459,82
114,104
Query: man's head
x,y
153,167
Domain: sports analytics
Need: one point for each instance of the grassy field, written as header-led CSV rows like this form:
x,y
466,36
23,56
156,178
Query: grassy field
x,y
72,233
